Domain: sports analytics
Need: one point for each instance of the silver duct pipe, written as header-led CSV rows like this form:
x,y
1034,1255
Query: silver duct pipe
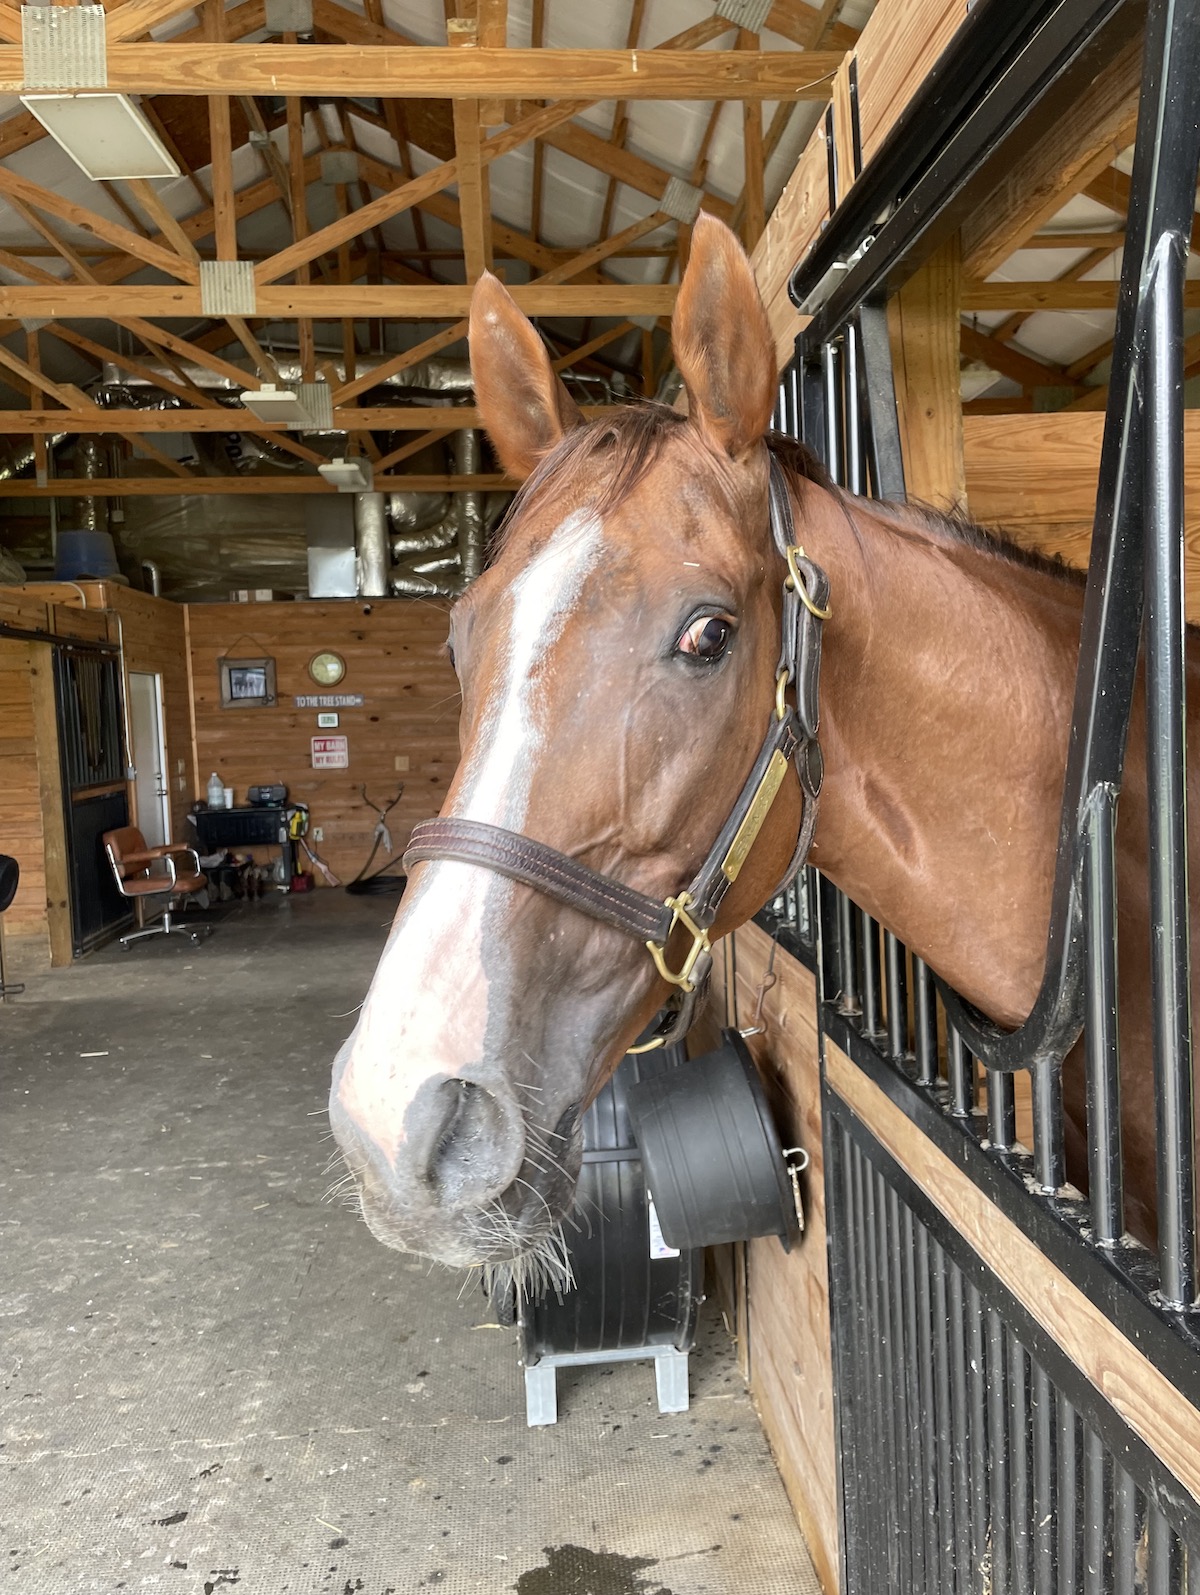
x,y
410,515
444,534
467,452
437,375
371,544
17,454
152,577
89,462
441,560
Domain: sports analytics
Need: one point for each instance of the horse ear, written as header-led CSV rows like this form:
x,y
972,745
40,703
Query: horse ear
x,y
722,342
525,407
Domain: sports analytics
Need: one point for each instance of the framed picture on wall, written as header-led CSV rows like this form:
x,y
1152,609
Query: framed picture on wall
x,y
247,683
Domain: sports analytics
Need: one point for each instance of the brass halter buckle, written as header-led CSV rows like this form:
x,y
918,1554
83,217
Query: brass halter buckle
x,y
795,581
700,944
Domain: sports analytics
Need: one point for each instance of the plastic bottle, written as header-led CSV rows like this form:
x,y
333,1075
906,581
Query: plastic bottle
x,y
216,791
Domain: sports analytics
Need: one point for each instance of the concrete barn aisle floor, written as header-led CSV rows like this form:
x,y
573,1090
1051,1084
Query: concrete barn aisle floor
x,y
213,1380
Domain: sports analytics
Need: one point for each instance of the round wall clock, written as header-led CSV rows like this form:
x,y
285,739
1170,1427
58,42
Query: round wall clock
x,y
327,668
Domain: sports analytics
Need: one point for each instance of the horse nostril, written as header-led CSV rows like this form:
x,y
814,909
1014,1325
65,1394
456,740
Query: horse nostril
x,y
475,1138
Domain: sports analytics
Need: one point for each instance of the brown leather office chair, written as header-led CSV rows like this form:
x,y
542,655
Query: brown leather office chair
x,y
143,872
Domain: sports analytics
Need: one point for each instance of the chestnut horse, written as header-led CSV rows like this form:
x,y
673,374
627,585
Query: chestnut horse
x,y
618,667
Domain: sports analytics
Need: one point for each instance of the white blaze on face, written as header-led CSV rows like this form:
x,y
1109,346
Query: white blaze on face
x,y
426,1011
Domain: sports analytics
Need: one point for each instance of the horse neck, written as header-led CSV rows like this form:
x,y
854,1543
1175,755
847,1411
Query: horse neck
x,y
945,705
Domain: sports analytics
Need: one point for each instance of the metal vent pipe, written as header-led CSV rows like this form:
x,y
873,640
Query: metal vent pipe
x,y
371,544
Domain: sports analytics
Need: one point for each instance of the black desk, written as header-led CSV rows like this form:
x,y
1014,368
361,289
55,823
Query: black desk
x,y
251,826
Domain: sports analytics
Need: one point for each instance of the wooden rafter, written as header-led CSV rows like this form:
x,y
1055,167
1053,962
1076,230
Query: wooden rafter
x,y
346,272
1015,364
36,198
434,73
444,301
1033,296
219,418
253,486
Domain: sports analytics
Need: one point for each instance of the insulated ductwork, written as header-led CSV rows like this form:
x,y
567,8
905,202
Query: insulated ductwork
x,y
371,544
17,454
428,376
91,515
441,560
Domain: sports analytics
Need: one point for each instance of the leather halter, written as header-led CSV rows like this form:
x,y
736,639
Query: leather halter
x,y
792,735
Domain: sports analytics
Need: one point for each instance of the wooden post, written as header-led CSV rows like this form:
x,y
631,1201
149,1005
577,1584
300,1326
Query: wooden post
x,y
220,134
754,215
50,792
474,190
925,351
299,209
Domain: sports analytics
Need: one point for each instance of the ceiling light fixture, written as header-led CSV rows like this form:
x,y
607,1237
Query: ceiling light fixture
x,y
106,135
270,403
349,476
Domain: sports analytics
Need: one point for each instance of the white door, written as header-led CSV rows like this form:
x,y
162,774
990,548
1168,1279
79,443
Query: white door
x,y
149,757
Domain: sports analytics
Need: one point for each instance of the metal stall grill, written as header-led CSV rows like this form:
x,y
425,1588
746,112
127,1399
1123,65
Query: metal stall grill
x,y
988,1440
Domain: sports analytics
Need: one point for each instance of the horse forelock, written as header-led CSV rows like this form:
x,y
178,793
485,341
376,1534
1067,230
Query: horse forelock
x,y
629,444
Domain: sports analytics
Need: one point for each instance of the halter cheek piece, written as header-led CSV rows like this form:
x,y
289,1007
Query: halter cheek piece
x,y
792,735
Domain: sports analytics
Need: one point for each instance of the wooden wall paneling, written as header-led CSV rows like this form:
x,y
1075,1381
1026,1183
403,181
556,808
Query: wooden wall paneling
x,y
786,1327
56,866
24,609
395,657
24,926
1035,476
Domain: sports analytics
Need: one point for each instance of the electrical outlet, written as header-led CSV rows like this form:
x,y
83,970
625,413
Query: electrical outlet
x,y
402,762
318,833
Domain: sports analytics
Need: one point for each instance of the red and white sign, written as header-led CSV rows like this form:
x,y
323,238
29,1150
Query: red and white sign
x,y
330,753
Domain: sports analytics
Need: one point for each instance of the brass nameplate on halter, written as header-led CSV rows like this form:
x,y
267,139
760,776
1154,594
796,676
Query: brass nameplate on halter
x,y
755,816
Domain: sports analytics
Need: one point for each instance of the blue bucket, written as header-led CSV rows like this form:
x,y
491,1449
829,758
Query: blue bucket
x,y
85,554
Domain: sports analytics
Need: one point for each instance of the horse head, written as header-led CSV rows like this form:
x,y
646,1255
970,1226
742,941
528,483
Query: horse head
x,y
618,668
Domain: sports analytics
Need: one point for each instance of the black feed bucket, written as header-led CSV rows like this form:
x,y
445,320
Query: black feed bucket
x,y
712,1157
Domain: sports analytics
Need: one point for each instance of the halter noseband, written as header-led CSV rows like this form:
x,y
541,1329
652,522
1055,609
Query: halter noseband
x,y
792,735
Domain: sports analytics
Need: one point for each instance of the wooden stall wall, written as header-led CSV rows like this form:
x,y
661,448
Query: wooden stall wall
x,y
35,931
406,730
783,1306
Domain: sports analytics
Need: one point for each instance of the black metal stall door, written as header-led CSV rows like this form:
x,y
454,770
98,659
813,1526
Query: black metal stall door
x,y
975,1453
88,685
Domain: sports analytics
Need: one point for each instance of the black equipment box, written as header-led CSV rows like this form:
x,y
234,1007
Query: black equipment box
x,y
268,797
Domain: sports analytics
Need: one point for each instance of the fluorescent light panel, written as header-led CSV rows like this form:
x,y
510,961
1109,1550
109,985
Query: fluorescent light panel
x,y
349,476
106,135
270,403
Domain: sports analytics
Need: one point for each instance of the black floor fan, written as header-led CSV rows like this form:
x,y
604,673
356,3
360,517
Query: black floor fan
x,y
10,876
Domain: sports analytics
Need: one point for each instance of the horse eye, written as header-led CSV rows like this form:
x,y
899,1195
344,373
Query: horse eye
x,y
706,638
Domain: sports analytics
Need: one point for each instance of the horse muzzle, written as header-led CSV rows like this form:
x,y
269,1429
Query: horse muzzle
x,y
469,1180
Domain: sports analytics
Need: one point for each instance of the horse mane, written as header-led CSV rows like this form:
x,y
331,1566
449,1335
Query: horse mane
x,y
631,440
954,524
